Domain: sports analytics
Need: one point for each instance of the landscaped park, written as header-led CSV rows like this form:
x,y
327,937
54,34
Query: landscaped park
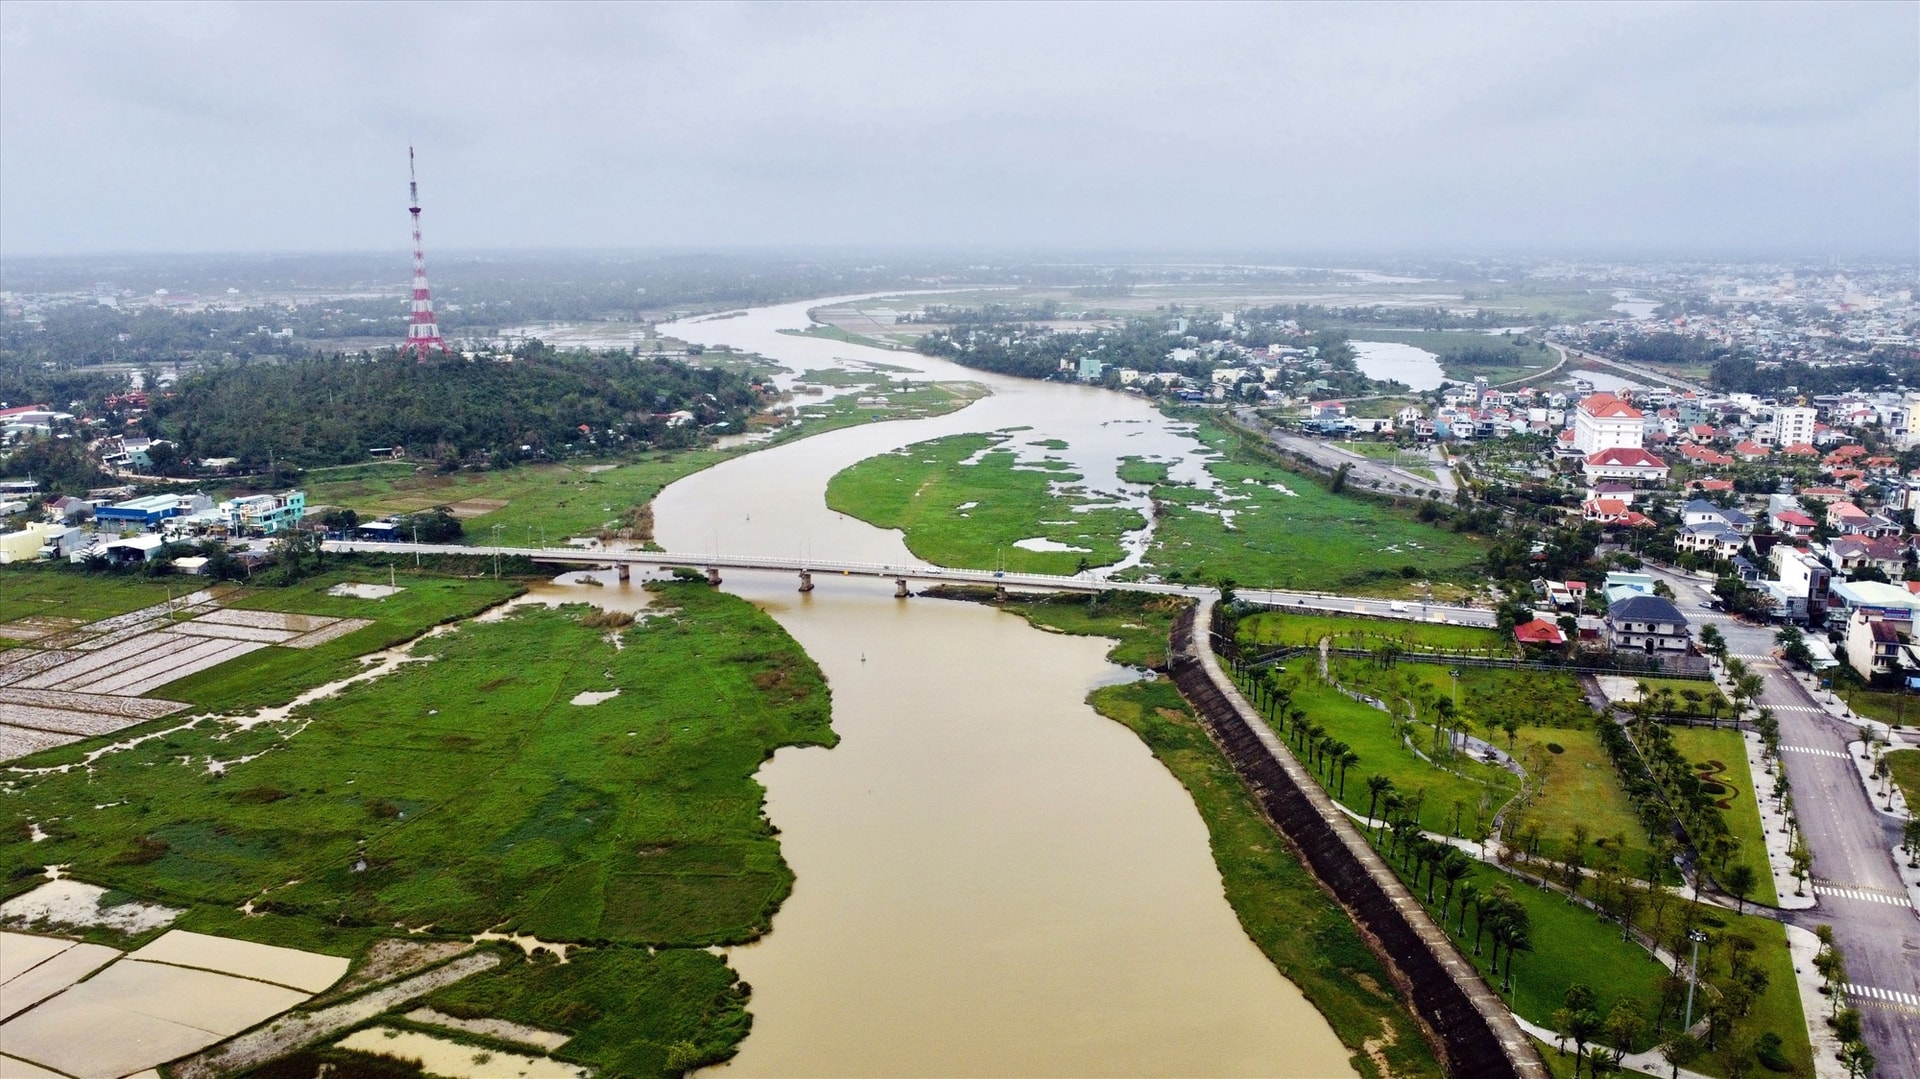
x,y
1491,792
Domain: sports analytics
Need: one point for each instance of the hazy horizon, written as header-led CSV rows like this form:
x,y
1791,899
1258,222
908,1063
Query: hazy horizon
x,y
1253,133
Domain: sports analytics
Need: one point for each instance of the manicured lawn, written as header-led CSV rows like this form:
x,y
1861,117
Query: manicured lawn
x,y
1900,709
1704,746
1478,789
1678,687
1286,530
966,500
1280,629
1580,787
1905,765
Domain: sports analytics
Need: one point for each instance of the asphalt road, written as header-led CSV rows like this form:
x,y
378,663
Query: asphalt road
x,y
1362,471
1876,928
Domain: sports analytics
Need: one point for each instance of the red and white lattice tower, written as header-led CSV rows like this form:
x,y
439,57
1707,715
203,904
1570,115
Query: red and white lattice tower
x,y
423,333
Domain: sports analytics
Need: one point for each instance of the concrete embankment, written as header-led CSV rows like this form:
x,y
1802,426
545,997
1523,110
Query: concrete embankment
x,y
1471,1029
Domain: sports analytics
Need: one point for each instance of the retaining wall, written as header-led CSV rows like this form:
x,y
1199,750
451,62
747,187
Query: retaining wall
x,y
1469,1026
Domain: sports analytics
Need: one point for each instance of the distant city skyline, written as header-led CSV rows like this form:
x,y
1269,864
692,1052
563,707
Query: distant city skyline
x,y
1641,130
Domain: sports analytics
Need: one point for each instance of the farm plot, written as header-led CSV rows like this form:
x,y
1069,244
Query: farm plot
x,y
92,684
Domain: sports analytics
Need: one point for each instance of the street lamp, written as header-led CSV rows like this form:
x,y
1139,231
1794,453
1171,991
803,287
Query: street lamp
x,y
1693,973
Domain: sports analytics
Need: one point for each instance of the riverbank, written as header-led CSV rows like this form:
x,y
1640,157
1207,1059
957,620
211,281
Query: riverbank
x,y
1301,930
578,777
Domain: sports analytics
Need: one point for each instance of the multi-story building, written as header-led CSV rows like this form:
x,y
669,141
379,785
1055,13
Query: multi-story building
x,y
1605,422
1793,426
266,514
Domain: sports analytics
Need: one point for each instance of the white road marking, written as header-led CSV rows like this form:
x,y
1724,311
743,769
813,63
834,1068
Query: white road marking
x,y
1889,898
1874,992
1817,752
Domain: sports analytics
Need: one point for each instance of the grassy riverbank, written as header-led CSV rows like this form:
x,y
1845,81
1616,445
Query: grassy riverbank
x,y
1297,925
468,792
546,503
966,500
1267,526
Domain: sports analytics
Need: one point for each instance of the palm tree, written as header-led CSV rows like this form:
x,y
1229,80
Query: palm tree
x,y
1519,931
1454,866
1377,785
1469,894
1348,758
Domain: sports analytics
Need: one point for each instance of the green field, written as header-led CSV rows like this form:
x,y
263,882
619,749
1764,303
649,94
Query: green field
x,y
1141,471
531,505
1905,766
1299,927
57,591
1282,629
1580,787
1307,539
965,500
1898,709
1703,746
630,1012
469,793
1470,788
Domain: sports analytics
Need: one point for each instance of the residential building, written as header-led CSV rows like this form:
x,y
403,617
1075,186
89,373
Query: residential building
x,y
1711,538
266,514
1793,426
1799,583
1540,632
1647,624
1878,645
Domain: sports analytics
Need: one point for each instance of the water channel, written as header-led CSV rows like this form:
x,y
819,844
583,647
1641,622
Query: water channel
x,y
992,878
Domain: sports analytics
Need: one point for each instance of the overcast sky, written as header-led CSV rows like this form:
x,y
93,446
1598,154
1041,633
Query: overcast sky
x,y
1364,127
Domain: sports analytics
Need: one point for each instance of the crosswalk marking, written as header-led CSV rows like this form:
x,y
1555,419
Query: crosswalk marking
x,y
1874,992
1888,898
1793,708
1814,750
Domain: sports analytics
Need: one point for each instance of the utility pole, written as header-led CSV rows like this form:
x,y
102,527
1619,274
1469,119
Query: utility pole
x,y
1693,973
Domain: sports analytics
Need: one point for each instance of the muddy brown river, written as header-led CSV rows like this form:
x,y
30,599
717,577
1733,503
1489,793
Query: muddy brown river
x,y
993,879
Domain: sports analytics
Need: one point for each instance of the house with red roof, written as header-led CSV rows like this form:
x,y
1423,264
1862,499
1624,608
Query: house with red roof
x,y
1791,523
1749,450
1799,449
1540,632
1631,464
1701,455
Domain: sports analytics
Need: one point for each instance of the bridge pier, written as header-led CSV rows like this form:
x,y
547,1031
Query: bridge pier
x,y
806,581
900,588
625,571
713,576
999,593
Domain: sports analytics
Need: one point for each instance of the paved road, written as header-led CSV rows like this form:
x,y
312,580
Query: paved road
x,y
1875,927
1362,471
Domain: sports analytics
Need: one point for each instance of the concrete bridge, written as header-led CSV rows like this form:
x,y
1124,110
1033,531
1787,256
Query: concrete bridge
x,y
806,569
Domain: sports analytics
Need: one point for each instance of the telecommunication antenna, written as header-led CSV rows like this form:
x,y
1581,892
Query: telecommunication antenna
x,y
423,333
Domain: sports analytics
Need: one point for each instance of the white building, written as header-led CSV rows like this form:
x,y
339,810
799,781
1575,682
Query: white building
x,y
1793,426
1605,422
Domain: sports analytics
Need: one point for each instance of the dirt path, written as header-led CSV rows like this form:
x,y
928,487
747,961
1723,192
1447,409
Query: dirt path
x,y
296,1030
